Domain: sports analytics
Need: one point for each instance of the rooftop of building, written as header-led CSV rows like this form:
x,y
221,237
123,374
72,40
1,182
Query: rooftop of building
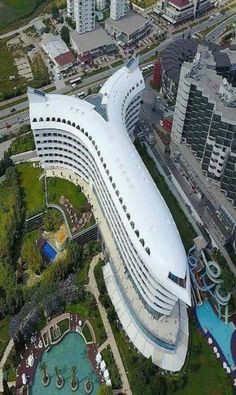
x,y
90,40
128,24
39,25
216,88
65,59
185,49
54,45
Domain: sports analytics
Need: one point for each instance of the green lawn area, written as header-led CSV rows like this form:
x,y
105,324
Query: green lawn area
x,y
8,68
88,309
33,188
87,334
209,377
117,63
4,334
58,187
7,199
186,230
12,10
64,325
144,3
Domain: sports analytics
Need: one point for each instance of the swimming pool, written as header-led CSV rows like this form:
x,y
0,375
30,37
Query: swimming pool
x,y
49,251
71,351
221,332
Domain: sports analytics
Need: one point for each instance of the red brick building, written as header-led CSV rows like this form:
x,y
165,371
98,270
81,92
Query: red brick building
x,y
156,77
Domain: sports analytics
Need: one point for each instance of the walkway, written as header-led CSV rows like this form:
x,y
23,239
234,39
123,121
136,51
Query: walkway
x,y
3,361
92,287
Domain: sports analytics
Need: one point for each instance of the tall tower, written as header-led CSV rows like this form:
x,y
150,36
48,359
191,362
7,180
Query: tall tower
x,y
83,13
118,9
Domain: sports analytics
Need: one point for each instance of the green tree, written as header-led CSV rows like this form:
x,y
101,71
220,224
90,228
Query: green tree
x,y
55,12
65,35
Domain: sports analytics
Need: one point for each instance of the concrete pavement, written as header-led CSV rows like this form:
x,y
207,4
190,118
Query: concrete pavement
x,y
3,361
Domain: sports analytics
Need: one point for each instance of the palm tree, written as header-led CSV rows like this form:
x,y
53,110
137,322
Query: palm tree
x,y
45,377
60,380
74,381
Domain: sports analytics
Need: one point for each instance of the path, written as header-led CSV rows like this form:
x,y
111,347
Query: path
x,y
92,287
3,361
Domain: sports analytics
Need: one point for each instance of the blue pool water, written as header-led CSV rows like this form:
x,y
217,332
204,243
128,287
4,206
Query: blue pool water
x,y
49,251
71,351
220,332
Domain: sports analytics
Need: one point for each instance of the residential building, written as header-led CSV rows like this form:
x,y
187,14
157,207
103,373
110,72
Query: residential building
x,y
118,9
205,119
83,13
92,44
146,273
129,30
223,60
58,52
175,11
101,5
40,27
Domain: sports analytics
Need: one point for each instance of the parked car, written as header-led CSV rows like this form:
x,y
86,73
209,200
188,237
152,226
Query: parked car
x,y
13,109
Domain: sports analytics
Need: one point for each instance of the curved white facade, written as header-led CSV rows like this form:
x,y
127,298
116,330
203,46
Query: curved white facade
x,y
91,138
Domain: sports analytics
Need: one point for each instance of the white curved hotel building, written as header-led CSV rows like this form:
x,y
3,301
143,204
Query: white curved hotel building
x,y
149,282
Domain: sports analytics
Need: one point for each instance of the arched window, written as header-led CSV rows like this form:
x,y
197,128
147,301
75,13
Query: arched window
x,y
64,121
99,153
132,224
82,131
96,147
142,242
78,127
117,192
104,165
114,185
128,216
124,207
107,171
102,159
136,232
110,178
47,119
86,133
121,200
69,122
90,138
53,119
73,124
58,119
93,142
147,250
35,120
40,119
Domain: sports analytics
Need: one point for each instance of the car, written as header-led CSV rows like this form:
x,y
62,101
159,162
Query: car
x,y
13,109
211,17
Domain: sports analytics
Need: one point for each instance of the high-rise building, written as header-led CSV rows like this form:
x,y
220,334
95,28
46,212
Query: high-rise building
x,y
205,119
118,9
101,5
146,273
83,13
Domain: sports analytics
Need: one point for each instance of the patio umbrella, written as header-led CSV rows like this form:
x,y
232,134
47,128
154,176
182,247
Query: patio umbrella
x,y
217,355
228,369
106,374
30,360
225,365
108,383
98,357
103,366
234,382
80,323
215,349
210,340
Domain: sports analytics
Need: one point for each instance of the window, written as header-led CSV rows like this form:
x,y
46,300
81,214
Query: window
x,y
53,119
73,124
132,224
121,200
117,192
177,280
147,250
128,216
34,120
136,232
58,119
69,122
47,119
40,119
124,207
78,127
64,121
110,178
114,185
142,242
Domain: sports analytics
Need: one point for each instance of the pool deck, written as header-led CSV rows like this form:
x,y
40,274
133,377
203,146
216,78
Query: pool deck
x,y
33,348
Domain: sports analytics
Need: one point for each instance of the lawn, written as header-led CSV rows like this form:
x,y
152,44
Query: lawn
x,y
186,230
58,187
87,334
88,309
8,68
207,377
117,63
33,188
7,200
22,143
13,10
4,334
